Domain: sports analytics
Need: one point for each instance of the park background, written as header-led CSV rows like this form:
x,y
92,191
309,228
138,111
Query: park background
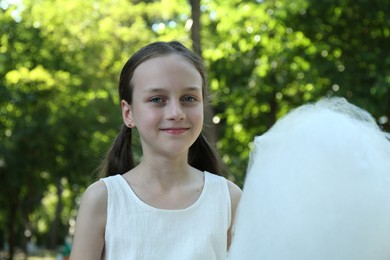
x,y
59,67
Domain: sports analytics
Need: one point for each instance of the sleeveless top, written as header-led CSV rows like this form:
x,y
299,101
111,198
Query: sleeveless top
x,y
136,230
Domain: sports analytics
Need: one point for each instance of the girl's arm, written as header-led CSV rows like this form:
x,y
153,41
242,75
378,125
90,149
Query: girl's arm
x,y
235,195
88,241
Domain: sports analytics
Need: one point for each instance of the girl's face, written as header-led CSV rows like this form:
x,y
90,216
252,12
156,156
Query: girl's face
x,y
167,105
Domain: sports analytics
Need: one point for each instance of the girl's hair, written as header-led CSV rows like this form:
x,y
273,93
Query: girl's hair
x,y
120,159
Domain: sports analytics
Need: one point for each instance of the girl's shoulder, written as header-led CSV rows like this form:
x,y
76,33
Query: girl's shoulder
x,y
235,193
95,197
88,239
235,196
96,189
234,190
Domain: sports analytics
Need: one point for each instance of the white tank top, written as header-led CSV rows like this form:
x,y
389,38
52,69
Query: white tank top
x,y
135,230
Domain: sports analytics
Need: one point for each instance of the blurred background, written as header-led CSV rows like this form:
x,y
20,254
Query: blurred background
x,y
59,67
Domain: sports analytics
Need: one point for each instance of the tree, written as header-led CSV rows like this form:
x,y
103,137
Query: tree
x,y
352,39
257,75
267,57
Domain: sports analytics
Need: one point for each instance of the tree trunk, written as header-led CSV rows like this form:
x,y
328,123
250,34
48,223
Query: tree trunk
x,y
11,228
195,29
57,219
209,127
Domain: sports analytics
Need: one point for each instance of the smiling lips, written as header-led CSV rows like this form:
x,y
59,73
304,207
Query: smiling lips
x,y
175,130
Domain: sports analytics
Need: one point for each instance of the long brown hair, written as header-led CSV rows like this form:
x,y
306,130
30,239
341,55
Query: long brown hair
x,y
120,158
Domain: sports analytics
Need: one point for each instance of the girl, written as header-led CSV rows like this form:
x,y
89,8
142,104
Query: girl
x,y
173,204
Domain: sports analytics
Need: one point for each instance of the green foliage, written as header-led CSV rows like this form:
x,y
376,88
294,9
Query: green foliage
x,y
257,75
353,39
267,57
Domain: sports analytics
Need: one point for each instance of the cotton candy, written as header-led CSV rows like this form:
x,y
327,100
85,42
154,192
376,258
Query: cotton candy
x,y
317,187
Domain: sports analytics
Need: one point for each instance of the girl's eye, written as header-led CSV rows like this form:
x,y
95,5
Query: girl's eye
x,y
156,100
189,99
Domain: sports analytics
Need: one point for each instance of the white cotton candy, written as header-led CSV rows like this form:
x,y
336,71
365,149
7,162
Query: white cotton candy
x,y
318,187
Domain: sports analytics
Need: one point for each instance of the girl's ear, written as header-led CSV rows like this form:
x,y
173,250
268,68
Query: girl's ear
x,y
127,115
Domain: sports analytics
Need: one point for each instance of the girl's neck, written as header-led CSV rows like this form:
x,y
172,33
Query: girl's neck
x,y
165,189
166,184
164,172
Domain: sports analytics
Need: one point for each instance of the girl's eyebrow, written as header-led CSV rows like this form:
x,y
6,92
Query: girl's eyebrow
x,y
159,90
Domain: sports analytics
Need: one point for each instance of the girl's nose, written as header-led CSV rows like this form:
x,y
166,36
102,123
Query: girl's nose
x,y
175,111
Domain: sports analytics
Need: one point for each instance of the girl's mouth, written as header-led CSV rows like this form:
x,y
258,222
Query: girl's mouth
x,y
175,131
